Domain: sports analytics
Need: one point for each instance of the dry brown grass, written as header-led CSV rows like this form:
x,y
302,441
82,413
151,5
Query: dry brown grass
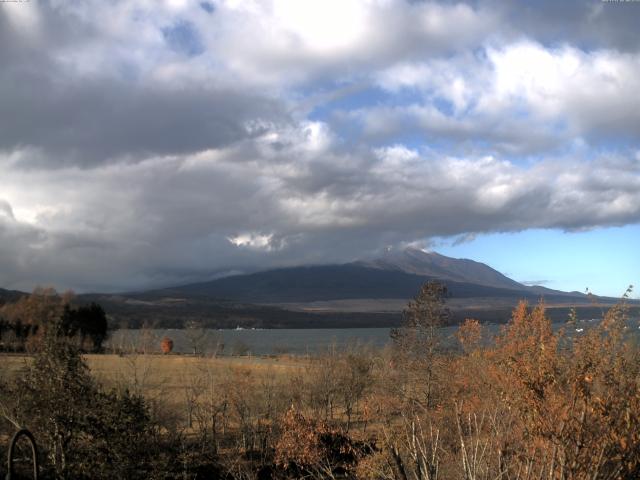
x,y
169,372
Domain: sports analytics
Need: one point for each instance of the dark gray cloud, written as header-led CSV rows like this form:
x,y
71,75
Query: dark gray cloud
x,y
82,118
91,121
590,24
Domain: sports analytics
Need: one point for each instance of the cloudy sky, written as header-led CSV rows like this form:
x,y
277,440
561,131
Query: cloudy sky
x,y
147,143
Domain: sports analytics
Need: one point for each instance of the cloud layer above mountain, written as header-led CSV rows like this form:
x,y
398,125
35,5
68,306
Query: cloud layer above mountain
x,y
147,143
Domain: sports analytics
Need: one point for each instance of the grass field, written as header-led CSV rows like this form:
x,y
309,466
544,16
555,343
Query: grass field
x,y
170,371
176,387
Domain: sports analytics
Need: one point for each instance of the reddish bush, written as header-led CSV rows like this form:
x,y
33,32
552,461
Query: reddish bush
x,y
166,345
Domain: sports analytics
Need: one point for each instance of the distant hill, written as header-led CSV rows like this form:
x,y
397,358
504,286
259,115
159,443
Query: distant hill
x,y
8,296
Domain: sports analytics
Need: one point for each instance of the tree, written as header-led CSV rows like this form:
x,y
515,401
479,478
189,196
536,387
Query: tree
x,y
418,339
85,432
27,320
86,321
93,324
354,378
422,318
197,336
30,316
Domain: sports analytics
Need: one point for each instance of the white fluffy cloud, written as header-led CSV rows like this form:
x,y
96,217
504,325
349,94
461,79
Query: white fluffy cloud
x,y
522,96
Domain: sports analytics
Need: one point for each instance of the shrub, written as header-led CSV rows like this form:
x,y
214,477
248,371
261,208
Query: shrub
x,y
166,345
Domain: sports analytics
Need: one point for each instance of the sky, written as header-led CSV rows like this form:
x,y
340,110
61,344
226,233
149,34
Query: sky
x,y
150,143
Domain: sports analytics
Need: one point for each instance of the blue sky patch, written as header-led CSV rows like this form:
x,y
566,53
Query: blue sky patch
x,y
208,7
183,37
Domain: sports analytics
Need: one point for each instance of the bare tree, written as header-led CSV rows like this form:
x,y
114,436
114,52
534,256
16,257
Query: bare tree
x,y
197,336
354,378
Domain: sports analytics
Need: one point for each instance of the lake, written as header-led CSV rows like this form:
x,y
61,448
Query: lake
x,y
276,341
255,342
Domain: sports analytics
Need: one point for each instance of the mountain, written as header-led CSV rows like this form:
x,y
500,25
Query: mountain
x,y
396,275
432,264
8,296
330,282
366,293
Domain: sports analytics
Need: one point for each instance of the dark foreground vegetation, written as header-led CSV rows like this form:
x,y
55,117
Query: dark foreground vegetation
x,y
531,404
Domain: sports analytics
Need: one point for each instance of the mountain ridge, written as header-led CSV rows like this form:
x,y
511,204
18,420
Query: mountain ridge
x,y
433,264
394,275
9,296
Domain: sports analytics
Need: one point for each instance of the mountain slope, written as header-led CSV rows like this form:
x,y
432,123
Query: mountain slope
x,y
335,282
8,296
418,262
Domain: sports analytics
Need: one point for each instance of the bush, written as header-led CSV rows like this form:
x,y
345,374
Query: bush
x,y
83,431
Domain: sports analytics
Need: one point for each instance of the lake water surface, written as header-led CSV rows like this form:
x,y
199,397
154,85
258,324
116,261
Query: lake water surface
x,y
277,341
255,342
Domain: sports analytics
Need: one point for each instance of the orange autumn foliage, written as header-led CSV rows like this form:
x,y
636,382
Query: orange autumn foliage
x,y
572,404
166,345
